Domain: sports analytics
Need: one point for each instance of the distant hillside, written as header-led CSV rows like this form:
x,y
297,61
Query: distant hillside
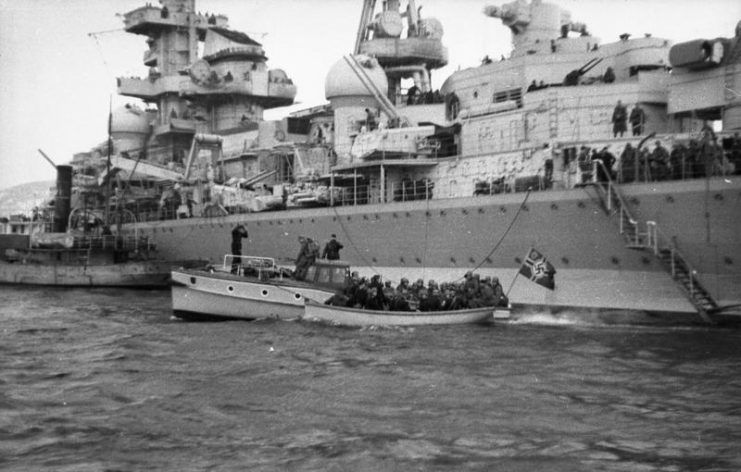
x,y
22,198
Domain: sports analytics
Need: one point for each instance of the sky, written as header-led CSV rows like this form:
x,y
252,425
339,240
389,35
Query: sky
x,y
59,59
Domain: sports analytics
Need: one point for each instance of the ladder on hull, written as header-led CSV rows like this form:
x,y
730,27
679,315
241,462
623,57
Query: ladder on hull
x,y
658,243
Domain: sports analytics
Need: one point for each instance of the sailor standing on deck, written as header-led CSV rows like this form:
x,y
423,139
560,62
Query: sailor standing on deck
x,y
637,120
619,120
332,249
238,233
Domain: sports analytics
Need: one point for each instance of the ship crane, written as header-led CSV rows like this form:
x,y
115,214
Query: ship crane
x,y
365,21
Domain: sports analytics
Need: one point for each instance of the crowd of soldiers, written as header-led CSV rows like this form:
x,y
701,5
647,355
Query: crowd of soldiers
x,y
696,159
374,294
693,160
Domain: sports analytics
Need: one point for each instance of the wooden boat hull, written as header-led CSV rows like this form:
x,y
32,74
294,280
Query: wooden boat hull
x,y
358,317
154,274
201,295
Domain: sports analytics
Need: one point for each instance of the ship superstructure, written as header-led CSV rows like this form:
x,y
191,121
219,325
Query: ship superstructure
x,y
521,151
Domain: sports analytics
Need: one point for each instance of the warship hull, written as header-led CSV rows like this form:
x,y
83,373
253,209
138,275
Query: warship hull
x,y
442,239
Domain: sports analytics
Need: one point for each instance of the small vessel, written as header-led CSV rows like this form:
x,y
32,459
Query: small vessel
x,y
101,261
57,255
345,316
260,289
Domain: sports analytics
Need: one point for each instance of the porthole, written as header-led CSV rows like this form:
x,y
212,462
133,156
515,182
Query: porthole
x,y
230,289
264,292
192,280
297,296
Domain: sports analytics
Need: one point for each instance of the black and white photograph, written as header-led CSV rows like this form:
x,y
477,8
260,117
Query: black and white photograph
x,y
370,235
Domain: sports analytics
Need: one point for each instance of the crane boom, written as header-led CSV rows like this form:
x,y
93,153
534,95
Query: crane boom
x,y
365,19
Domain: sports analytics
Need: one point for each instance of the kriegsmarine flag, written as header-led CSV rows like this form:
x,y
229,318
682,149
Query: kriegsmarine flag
x,y
538,269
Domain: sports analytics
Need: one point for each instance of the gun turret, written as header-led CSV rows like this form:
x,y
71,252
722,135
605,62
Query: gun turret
x,y
572,78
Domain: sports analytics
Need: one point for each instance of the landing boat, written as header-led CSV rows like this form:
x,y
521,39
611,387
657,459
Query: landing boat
x,y
261,289
344,316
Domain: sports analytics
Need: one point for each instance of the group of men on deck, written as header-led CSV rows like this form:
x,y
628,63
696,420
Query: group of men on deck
x,y
620,120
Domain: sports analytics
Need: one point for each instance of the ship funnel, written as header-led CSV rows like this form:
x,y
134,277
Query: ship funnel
x,y
62,202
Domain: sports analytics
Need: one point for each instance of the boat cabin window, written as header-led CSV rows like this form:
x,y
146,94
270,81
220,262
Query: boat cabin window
x,y
324,275
327,275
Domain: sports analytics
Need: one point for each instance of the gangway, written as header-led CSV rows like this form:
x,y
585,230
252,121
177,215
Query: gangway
x,y
656,242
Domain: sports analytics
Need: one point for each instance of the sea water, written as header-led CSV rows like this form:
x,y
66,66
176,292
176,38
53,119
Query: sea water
x,y
107,380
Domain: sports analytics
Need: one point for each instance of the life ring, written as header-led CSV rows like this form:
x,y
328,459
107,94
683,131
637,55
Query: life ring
x,y
280,135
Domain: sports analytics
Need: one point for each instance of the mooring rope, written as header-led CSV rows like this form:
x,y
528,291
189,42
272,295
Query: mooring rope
x,y
427,225
511,224
352,243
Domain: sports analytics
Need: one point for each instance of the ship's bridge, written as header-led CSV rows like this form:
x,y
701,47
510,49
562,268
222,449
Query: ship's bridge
x,y
272,88
149,18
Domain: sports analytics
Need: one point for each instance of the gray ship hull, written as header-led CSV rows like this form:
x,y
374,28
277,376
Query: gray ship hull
x,y
441,239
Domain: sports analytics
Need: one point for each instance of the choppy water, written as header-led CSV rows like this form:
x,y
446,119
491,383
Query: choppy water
x,y
105,380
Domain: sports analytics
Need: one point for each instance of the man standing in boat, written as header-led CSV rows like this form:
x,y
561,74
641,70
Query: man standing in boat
x,y
307,254
238,233
332,249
